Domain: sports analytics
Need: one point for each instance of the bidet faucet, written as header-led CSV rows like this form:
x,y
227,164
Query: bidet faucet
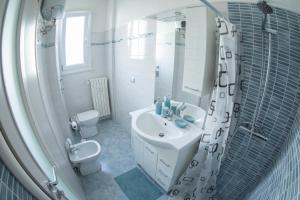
x,y
69,146
73,149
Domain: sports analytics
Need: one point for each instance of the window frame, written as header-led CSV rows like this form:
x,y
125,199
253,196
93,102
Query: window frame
x,y
86,65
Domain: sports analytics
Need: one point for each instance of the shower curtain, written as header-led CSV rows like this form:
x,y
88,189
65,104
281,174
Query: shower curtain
x,y
199,180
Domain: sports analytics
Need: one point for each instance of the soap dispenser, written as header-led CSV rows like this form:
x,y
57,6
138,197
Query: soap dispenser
x,y
167,101
158,106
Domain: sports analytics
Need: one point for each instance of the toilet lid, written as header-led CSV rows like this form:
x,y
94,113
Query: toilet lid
x,y
88,115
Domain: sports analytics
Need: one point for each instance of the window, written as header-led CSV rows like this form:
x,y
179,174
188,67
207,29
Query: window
x,y
137,30
74,39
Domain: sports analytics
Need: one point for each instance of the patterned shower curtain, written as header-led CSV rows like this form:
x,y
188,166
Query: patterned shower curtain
x,y
199,180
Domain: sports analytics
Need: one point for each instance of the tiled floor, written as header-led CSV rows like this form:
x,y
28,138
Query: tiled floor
x,y
116,158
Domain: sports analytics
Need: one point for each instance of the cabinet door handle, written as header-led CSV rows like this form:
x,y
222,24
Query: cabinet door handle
x,y
149,150
194,89
161,182
163,162
162,173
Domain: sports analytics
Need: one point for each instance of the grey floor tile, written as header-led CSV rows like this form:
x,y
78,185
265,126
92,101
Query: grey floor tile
x,y
116,158
163,197
101,186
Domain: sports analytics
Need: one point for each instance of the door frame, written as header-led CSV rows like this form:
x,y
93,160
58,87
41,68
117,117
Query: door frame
x,y
11,130
14,151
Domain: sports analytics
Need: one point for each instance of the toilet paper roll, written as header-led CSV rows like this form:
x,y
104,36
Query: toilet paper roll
x,y
74,125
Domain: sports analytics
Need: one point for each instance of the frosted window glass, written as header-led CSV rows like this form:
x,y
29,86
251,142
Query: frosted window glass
x,y
136,30
74,40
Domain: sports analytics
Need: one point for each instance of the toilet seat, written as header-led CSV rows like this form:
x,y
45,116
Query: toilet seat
x,y
88,115
87,122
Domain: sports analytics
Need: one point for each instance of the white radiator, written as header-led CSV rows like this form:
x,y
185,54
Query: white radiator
x,y
99,89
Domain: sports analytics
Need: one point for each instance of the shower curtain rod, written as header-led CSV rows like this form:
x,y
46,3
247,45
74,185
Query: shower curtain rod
x,y
216,11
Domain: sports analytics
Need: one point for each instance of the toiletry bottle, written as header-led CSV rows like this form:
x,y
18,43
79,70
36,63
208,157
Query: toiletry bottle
x,y
167,101
158,106
165,112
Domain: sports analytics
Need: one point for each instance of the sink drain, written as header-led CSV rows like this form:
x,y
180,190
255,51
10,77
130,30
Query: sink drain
x,y
161,134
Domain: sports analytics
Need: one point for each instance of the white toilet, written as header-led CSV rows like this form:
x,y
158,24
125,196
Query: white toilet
x,y
87,122
84,156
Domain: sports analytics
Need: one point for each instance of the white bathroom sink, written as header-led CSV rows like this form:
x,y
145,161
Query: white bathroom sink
x,y
157,127
159,131
85,151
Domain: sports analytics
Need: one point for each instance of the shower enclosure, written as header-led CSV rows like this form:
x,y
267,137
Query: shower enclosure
x,y
252,127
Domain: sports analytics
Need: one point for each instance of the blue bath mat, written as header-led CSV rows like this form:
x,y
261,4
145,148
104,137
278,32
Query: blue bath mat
x,y
136,186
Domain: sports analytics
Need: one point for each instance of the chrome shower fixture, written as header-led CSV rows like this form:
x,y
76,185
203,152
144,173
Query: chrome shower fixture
x,y
266,10
264,7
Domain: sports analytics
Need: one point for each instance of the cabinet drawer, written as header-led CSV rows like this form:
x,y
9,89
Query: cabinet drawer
x,y
150,160
138,147
162,183
161,175
150,149
165,165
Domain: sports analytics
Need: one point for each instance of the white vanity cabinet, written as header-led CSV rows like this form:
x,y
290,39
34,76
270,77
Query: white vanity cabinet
x,y
164,165
162,149
165,170
150,159
138,143
200,52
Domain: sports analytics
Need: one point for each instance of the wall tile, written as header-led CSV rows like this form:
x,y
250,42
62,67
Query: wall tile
x,y
3,191
132,96
10,188
238,178
282,182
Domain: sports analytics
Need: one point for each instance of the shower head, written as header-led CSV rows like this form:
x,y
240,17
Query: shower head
x,y
266,10
264,7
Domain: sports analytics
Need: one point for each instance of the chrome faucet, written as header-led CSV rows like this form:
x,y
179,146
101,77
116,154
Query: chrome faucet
x,y
170,115
73,149
69,146
180,108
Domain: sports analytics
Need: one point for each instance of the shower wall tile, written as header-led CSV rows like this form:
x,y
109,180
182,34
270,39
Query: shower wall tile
x,y
242,169
283,181
10,187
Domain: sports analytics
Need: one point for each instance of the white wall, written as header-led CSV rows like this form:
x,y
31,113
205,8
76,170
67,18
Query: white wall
x,y
49,77
76,90
132,96
128,10
97,7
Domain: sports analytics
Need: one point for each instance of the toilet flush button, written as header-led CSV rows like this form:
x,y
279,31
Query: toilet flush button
x,y
132,79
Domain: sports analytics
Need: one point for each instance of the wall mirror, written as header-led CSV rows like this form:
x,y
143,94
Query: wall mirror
x,y
185,49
